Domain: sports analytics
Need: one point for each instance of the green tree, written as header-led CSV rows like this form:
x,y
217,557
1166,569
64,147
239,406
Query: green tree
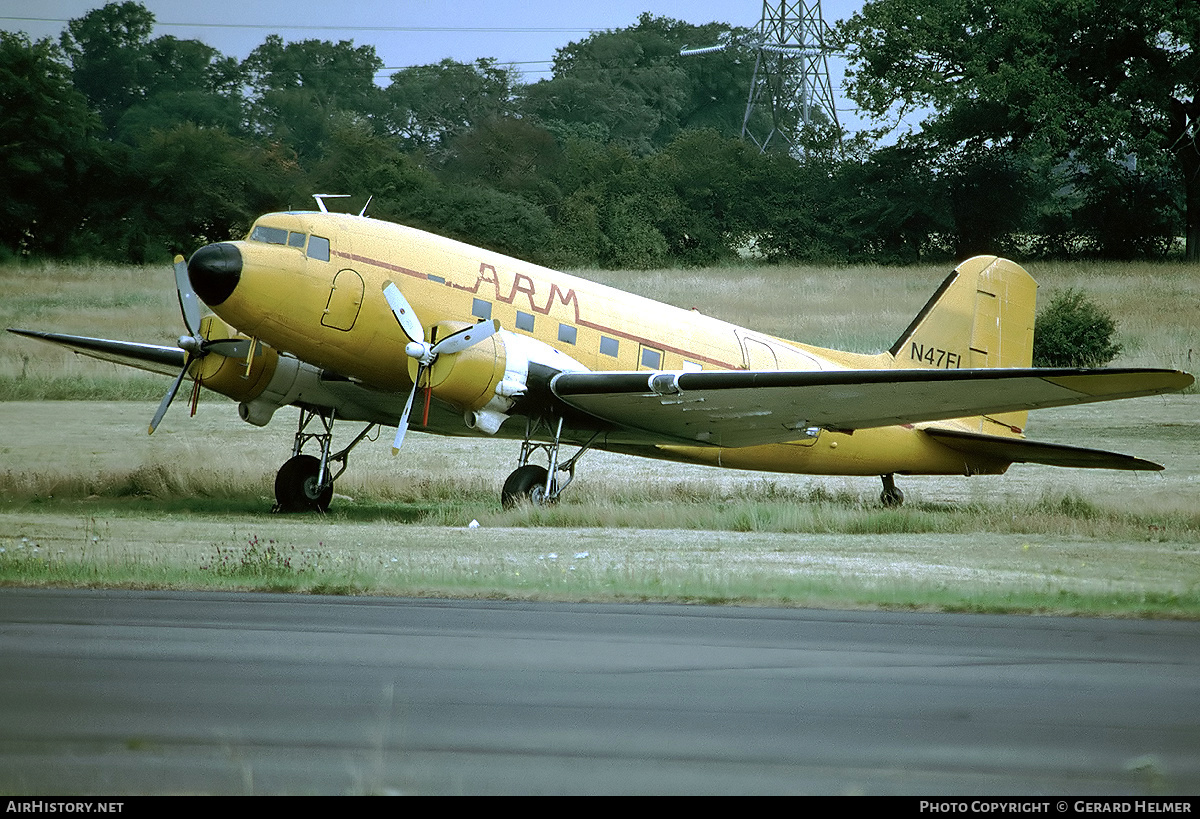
x,y
714,194
46,131
298,88
138,84
360,161
1083,80
630,86
184,187
508,154
192,83
426,106
110,57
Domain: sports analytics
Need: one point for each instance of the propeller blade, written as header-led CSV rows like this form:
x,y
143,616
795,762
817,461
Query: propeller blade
x,y
402,427
404,313
457,342
169,397
189,302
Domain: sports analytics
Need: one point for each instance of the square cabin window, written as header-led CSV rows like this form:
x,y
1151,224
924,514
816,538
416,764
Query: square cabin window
x,y
296,239
566,333
651,358
609,346
525,321
481,309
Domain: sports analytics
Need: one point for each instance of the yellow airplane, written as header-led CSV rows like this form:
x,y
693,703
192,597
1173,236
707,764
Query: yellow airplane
x,y
350,318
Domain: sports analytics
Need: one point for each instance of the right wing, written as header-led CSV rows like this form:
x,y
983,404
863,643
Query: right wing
x,y
736,408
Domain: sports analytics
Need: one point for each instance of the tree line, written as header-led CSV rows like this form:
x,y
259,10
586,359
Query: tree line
x,y
1056,132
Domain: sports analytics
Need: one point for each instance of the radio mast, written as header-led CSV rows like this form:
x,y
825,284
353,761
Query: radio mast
x,y
791,84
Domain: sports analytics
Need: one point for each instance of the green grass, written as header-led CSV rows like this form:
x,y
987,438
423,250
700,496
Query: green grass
x,y
998,573
175,526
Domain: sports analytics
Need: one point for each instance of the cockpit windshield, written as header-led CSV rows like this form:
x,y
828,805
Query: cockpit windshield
x,y
317,246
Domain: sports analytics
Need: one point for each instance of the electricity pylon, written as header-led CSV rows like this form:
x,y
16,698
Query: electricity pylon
x,y
791,73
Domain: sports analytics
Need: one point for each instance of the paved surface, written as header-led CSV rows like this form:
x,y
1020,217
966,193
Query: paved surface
x,y
156,692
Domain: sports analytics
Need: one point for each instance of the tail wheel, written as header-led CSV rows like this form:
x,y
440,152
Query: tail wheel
x,y
527,484
891,496
297,488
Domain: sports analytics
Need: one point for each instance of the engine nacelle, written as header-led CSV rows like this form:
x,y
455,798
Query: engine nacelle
x,y
271,379
292,380
486,379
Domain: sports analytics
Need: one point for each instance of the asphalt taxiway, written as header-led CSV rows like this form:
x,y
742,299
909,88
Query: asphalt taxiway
x,y
121,692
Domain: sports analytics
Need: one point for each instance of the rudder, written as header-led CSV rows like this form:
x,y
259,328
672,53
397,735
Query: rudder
x,y
981,316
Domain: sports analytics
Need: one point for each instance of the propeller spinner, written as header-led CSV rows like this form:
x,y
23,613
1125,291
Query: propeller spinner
x,y
194,343
426,352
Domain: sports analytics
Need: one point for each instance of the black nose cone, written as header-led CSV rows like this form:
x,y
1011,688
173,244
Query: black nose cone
x,y
214,271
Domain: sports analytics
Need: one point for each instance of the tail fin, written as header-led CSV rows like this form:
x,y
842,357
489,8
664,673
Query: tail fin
x,y
981,316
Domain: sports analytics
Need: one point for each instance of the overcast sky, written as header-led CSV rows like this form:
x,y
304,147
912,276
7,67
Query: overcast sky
x,y
415,32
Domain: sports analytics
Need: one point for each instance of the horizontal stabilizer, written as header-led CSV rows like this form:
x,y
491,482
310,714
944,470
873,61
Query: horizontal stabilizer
x,y
1021,451
153,358
735,408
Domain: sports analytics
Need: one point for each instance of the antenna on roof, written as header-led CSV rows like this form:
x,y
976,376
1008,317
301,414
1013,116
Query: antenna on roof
x,y
363,212
321,197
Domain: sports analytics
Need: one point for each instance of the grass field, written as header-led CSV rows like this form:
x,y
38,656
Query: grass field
x,y
89,500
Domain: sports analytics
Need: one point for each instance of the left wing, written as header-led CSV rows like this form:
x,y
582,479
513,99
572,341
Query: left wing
x,y
154,358
734,408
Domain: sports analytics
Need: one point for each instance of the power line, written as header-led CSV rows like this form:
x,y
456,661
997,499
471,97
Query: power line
x,y
290,27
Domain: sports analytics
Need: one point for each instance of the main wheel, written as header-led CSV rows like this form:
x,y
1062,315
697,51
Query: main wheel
x,y
527,484
296,487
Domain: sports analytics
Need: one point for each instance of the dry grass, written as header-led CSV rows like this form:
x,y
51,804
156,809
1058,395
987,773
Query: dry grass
x,y
860,308
108,506
864,309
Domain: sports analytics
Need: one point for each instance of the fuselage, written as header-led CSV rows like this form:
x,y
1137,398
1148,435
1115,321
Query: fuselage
x,y
311,284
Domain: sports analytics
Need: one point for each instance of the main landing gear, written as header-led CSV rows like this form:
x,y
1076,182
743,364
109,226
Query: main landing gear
x,y
305,483
538,485
891,496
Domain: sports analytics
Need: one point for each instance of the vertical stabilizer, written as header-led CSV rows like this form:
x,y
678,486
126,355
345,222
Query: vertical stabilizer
x,y
981,316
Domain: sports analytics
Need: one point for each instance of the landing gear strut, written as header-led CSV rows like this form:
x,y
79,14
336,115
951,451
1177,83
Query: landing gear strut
x,y
305,483
891,496
539,486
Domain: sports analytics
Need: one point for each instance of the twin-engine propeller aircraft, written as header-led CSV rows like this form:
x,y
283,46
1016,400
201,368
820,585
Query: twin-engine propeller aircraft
x,y
350,318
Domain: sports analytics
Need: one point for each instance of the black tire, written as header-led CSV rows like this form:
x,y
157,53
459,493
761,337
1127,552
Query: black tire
x,y
296,486
891,497
527,484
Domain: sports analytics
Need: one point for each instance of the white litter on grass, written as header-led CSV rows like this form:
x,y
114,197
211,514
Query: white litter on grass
x,y
581,555
474,524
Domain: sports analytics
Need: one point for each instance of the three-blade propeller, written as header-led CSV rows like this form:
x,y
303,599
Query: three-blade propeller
x,y
426,352
194,344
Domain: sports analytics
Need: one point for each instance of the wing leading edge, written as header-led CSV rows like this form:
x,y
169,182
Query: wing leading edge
x,y
733,408
153,358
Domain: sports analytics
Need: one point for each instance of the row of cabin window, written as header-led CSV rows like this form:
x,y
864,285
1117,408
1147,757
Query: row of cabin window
x,y
567,334
318,246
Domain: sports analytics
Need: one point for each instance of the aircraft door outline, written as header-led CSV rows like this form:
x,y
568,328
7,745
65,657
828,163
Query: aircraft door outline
x,y
345,301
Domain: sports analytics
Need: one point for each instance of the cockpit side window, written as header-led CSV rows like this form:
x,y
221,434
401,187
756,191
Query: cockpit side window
x,y
318,248
270,235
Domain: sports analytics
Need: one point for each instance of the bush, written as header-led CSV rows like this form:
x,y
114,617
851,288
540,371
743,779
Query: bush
x,y
1074,331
